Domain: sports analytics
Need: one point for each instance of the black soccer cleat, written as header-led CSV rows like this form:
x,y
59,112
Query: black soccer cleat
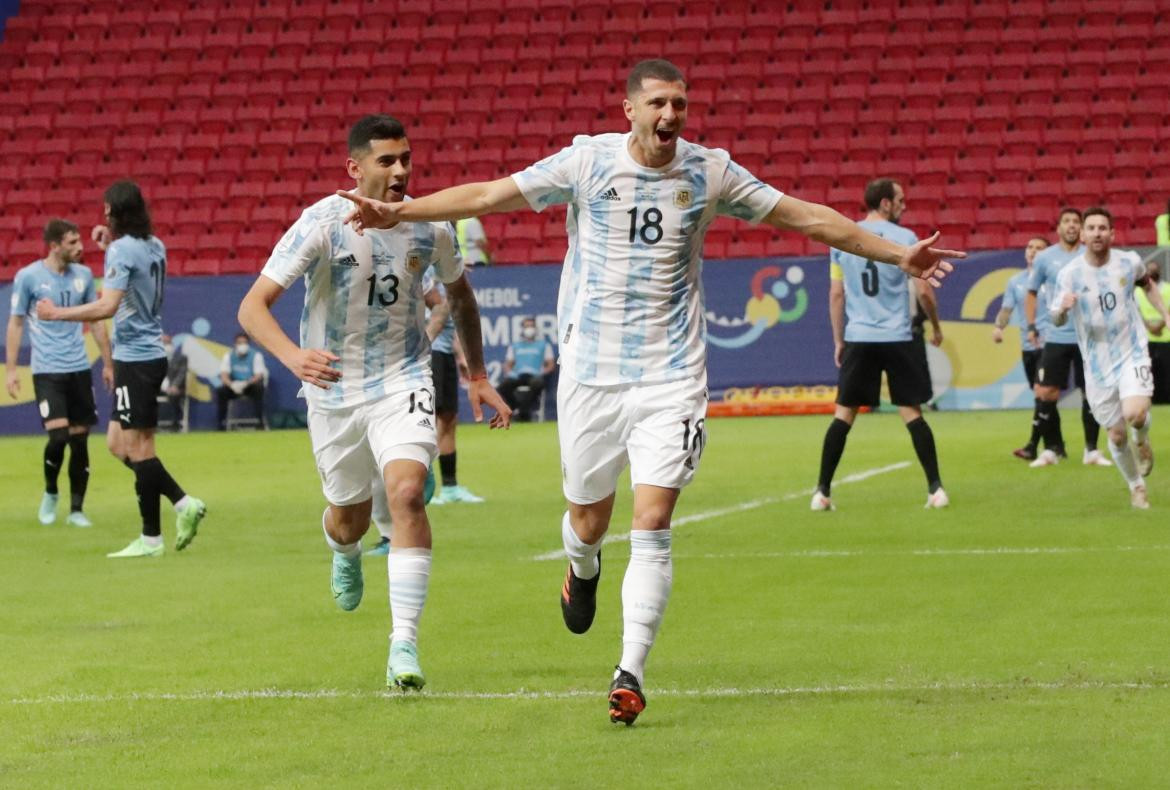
x,y
579,600
625,698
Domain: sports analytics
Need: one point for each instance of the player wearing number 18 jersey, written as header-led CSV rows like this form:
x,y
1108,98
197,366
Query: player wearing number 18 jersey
x,y
631,328
132,292
1097,288
365,358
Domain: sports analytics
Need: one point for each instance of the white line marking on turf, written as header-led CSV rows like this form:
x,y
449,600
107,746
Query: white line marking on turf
x,y
707,515
971,552
526,694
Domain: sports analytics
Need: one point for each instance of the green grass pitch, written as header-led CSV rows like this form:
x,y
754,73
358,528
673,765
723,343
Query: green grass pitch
x,y
1018,639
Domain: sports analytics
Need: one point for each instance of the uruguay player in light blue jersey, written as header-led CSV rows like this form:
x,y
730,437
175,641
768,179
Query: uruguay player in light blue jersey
x,y
446,365
869,309
1097,288
528,360
1060,352
1014,298
132,292
365,358
62,383
631,329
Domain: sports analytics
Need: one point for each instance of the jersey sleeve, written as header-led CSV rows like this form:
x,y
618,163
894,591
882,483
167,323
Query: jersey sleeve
x,y
118,269
90,293
21,295
1036,278
743,196
1063,287
303,245
1009,296
552,180
448,263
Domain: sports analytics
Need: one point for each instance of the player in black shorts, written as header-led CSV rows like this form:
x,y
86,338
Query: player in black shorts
x,y
62,383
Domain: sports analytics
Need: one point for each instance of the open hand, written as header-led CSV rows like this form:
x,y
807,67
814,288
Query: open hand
x,y
927,263
12,382
479,392
370,213
314,366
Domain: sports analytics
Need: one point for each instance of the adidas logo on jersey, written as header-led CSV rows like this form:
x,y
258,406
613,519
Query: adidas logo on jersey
x,y
609,194
425,423
347,260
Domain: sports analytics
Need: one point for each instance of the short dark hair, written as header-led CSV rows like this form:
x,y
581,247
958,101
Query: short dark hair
x,y
1098,211
128,214
374,127
57,229
656,69
1070,210
240,334
878,190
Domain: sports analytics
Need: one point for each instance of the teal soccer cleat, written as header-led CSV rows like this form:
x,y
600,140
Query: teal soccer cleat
x,y
402,670
346,582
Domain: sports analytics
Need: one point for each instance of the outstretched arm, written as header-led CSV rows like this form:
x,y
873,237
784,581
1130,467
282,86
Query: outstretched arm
x,y
314,366
479,390
468,200
830,227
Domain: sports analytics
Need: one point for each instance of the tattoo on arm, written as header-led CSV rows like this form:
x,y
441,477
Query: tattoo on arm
x,y
466,314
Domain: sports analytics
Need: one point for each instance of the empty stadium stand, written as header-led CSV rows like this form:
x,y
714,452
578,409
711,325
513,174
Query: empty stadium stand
x,y
234,116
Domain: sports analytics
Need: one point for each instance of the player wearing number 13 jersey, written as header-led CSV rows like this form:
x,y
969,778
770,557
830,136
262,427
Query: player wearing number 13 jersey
x,y
1097,288
631,329
365,360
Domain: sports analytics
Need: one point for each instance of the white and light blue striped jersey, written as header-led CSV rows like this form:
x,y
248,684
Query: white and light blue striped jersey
x,y
138,267
1046,266
57,346
1105,317
364,298
630,307
877,295
1013,299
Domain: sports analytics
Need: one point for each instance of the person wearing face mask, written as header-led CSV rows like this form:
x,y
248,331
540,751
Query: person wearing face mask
x,y
1159,334
241,374
174,386
526,363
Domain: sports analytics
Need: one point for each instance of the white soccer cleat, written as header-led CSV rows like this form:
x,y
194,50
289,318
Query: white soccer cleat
x,y
1145,457
1138,498
1095,458
820,502
1046,458
938,499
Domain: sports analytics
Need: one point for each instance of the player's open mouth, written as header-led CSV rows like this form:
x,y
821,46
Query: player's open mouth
x,y
664,135
397,189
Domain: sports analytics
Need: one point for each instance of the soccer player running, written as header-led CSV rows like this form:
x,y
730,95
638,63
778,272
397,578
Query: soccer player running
x,y
870,312
132,292
630,313
1097,289
1060,351
365,357
62,382
1014,297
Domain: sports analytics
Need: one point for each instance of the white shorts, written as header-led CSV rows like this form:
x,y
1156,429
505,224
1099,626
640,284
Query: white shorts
x,y
1134,380
658,429
352,446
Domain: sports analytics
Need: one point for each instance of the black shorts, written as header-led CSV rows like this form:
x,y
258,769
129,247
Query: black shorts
x,y
446,376
66,395
862,364
1031,365
1055,361
137,386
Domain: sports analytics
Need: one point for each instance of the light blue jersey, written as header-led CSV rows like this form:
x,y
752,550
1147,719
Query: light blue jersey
x,y
364,298
445,340
57,346
1013,299
630,307
139,268
877,295
1046,267
529,356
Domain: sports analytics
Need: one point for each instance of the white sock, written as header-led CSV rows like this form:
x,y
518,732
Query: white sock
x,y
350,550
380,512
182,503
582,555
1143,433
645,591
408,570
1126,464
152,540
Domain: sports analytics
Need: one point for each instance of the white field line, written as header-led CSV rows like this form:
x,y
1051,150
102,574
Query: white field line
x,y
707,515
525,694
971,552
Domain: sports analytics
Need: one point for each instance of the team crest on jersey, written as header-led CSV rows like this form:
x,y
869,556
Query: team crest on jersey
x,y
682,198
79,285
414,261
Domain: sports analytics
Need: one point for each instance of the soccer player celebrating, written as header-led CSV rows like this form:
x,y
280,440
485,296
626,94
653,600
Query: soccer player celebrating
x,y
870,312
1097,288
631,325
132,292
1014,297
62,381
1060,350
365,357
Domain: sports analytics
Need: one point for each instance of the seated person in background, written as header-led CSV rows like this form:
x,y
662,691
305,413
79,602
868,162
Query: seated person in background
x,y
527,362
174,386
242,373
